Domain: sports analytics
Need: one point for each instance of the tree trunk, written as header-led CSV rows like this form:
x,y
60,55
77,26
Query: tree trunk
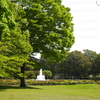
x,y
22,80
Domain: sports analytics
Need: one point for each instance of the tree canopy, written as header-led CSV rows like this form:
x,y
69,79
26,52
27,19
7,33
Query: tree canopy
x,y
91,55
96,66
50,27
77,64
14,46
33,26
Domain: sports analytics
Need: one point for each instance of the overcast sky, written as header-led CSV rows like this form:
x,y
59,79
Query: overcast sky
x,y
86,19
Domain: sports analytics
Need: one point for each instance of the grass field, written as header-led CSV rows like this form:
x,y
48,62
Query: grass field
x,y
57,92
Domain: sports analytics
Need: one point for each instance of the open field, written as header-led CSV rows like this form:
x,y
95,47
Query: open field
x,y
56,92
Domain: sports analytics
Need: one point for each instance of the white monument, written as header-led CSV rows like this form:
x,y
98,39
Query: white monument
x,y
40,77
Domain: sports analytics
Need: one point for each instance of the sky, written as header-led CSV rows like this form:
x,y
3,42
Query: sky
x,y
86,19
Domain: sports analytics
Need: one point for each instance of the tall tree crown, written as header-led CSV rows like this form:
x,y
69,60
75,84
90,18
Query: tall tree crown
x,y
50,28
14,46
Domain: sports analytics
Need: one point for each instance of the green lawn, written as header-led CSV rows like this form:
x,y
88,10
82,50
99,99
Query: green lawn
x,y
58,92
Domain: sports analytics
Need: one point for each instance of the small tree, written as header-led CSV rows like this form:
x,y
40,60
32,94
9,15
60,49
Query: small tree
x,y
30,74
47,73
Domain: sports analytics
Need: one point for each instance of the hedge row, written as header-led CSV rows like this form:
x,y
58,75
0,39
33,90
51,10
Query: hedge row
x,y
9,82
50,82
61,82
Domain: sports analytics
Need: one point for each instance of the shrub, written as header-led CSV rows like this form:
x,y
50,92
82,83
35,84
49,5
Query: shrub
x,y
50,82
9,82
47,73
30,74
95,78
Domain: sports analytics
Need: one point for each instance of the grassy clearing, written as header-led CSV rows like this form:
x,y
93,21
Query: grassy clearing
x,y
58,92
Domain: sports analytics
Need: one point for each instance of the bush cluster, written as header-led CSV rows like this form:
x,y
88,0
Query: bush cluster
x,y
30,74
9,82
50,82
61,82
95,78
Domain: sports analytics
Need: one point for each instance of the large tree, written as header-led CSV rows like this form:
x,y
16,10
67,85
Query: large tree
x,y
50,26
22,23
91,55
14,45
96,66
6,25
77,64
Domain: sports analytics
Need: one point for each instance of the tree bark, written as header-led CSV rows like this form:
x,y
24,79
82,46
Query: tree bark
x,y
22,80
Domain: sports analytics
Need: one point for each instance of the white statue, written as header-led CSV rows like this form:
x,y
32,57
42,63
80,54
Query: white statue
x,y
40,71
40,77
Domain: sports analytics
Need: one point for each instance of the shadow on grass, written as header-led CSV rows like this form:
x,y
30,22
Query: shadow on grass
x,y
3,87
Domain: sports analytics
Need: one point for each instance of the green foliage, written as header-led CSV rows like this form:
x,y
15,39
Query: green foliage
x,y
77,64
91,55
15,52
46,24
50,28
15,47
30,74
48,82
96,66
6,19
61,82
47,73
53,67
80,63
96,78
9,82
49,24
